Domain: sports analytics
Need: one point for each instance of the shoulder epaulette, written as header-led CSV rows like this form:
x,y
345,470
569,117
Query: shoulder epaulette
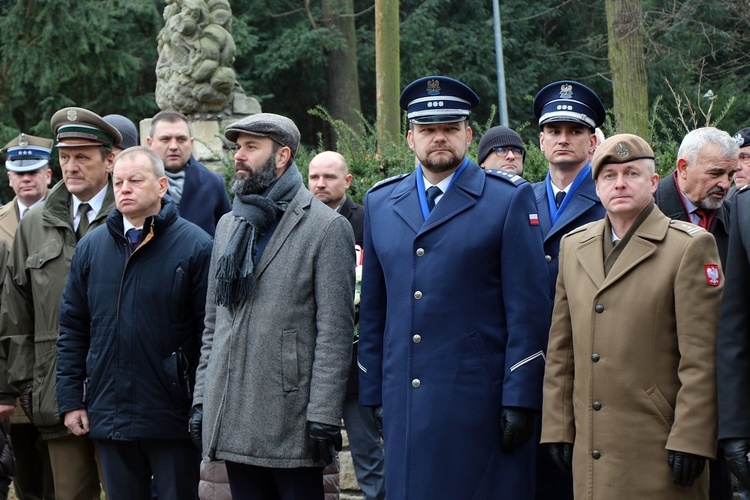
x,y
685,227
387,181
514,179
581,228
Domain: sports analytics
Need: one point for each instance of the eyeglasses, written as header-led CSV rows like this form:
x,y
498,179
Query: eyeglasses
x,y
503,150
744,157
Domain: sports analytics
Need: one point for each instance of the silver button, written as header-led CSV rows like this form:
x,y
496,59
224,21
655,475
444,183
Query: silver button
x,y
420,252
416,382
417,338
548,258
417,295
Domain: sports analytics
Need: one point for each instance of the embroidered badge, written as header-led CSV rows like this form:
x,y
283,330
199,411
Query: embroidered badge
x,y
739,139
534,219
566,91
622,150
72,115
712,274
433,87
23,141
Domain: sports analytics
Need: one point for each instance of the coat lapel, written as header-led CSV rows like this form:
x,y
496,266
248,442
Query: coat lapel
x,y
461,196
640,246
289,221
589,253
583,199
406,202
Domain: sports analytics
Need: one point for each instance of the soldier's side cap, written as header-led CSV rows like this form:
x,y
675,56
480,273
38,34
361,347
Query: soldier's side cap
x,y
742,137
279,129
620,148
569,101
126,128
75,127
437,99
27,153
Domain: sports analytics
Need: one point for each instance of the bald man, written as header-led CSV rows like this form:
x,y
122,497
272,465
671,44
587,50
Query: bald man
x,y
328,180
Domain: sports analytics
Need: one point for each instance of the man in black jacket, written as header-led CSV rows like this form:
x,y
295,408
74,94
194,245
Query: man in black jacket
x,y
696,192
328,179
131,322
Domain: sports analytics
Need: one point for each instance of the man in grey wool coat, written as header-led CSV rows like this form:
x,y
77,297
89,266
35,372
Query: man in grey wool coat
x,y
277,342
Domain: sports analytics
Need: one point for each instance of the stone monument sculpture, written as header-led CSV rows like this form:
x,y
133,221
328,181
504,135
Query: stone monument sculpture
x,y
196,51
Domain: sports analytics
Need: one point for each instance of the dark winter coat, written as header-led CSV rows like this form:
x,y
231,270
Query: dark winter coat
x,y
130,327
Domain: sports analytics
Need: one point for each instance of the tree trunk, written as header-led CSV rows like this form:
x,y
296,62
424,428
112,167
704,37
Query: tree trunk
x,y
628,66
387,70
343,78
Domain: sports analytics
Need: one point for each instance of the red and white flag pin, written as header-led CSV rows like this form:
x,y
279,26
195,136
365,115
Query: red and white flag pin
x,y
534,219
712,274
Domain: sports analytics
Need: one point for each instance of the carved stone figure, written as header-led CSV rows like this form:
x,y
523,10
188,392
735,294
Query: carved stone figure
x,y
196,51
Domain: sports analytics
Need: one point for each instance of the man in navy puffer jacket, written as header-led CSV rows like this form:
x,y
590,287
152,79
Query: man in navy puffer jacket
x,y
131,322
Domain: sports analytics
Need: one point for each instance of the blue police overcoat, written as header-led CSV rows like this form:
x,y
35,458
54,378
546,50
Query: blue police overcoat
x,y
453,326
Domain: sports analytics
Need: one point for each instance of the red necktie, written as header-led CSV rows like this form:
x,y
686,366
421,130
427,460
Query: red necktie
x,y
704,218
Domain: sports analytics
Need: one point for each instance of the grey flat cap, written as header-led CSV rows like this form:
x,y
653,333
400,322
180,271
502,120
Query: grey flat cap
x,y
127,130
279,129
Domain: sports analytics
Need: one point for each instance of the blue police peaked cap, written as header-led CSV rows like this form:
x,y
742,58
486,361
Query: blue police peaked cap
x,y
437,99
569,101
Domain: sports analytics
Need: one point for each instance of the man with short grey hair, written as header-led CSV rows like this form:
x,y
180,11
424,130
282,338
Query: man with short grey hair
x,y
696,192
124,380
279,321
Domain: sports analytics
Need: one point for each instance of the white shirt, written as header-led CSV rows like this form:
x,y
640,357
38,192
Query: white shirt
x,y
95,203
443,185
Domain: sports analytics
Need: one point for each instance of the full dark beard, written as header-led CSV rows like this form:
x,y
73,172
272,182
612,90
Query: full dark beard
x,y
437,166
257,182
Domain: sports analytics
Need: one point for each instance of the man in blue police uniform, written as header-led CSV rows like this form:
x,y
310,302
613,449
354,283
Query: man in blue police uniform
x,y
568,114
452,331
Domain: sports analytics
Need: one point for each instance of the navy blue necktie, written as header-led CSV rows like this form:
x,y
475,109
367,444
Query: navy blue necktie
x,y
559,197
134,237
432,193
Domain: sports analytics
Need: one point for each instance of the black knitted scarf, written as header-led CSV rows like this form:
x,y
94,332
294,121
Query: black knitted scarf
x,y
255,213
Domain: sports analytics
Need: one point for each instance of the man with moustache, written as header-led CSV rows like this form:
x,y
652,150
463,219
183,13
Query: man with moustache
x,y
277,342
452,328
125,379
695,192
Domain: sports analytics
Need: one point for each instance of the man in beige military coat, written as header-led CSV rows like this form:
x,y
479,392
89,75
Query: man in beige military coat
x,y
630,385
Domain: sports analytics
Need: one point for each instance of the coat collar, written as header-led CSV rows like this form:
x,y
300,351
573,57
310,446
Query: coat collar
x,y
293,215
583,199
589,251
460,197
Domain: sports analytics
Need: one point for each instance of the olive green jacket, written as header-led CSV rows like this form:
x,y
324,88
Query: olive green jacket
x,y
36,275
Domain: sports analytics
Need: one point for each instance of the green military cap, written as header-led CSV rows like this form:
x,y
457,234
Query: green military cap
x,y
620,148
27,153
75,127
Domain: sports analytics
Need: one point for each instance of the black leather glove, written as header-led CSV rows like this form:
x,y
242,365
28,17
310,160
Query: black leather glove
x,y
735,452
378,414
562,455
196,426
24,398
686,467
325,441
516,427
